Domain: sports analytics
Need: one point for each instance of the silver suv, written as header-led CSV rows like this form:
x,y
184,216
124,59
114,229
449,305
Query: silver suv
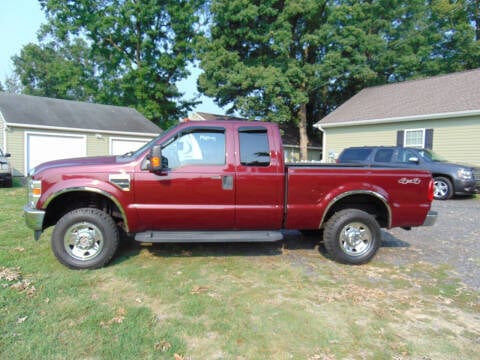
x,y
5,170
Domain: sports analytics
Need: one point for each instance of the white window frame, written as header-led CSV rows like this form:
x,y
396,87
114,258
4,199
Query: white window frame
x,y
417,145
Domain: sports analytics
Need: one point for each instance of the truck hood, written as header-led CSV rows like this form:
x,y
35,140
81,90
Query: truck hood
x,y
75,162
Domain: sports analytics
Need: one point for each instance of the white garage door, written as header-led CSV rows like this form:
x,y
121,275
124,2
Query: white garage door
x,y
120,146
41,147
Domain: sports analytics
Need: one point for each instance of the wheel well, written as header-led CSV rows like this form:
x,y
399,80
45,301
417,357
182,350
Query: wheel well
x,y
444,176
69,201
365,202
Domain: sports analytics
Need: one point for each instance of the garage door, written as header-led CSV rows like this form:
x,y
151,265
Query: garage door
x,y
120,146
41,147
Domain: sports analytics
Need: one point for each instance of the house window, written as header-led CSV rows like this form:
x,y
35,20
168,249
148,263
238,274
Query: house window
x,y
415,138
421,138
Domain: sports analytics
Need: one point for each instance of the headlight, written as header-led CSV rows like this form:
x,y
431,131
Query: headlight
x,y
4,166
465,174
34,188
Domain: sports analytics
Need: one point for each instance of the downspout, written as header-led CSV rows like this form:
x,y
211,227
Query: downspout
x,y
324,141
4,132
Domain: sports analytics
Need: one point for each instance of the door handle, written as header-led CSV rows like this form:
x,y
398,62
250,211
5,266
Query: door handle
x,y
227,182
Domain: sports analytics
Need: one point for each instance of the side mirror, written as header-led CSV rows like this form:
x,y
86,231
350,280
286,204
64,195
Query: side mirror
x,y
158,163
413,159
6,155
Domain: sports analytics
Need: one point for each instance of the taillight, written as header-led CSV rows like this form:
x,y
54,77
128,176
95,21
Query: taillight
x,y
431,190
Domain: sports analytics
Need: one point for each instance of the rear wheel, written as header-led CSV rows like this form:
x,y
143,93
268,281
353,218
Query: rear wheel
x,y
352,236
443,189
85,238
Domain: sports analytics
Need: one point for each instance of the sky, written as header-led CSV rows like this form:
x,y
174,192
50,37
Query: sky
x,y
20,21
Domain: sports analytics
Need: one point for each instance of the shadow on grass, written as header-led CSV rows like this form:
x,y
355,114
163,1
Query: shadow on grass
x,y
294,242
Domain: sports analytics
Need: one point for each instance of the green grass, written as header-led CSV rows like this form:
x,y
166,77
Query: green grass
x,y
258,301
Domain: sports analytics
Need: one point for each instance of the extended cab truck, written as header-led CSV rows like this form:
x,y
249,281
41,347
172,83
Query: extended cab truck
x,y
218,182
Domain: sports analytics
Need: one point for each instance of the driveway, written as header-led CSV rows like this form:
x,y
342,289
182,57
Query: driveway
x,y
454,240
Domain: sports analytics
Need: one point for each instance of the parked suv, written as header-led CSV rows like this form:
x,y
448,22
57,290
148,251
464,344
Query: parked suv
x,y
5,170
450,179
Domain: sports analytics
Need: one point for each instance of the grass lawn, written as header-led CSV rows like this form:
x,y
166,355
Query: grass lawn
x,y
221,301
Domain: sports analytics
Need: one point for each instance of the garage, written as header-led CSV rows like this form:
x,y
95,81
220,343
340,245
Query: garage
x,y
120,146
36,129
41,147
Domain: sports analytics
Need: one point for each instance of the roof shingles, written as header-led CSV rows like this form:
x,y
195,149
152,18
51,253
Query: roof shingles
x,y
41,111
456,92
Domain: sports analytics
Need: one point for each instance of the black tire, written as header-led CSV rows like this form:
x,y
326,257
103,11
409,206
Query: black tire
x,y
443,189
85,238
352,236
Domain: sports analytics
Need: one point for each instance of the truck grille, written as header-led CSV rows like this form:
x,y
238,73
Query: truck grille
x,y
476,173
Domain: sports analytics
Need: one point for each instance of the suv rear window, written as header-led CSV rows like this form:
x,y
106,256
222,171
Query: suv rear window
x,y
354,155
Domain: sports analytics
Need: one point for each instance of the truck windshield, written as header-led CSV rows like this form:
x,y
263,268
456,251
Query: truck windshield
x,y
138,152
431,156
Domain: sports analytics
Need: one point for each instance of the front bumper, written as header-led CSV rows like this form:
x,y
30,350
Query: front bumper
x,y
34,219
431,218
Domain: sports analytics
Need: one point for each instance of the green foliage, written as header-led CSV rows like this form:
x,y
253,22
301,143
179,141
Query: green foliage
x,y
118,52
58,70
267,59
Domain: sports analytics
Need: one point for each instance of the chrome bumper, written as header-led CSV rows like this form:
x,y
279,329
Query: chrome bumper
x,y
431,218
34,220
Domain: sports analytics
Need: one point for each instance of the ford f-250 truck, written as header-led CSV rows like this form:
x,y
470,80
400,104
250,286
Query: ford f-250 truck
x,y
218,182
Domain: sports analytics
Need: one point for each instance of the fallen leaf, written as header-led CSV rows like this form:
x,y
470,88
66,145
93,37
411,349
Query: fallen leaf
x,y
22,320
198,289
163,346
10,274
178,357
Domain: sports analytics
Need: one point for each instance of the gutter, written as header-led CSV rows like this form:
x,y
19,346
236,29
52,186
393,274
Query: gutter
x,y
436,116
43,127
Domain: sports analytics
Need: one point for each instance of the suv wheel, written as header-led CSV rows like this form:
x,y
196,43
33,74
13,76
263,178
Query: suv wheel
x,y
443,188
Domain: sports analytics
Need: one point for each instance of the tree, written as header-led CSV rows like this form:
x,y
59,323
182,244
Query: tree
x,y
139,50
295,61
60,70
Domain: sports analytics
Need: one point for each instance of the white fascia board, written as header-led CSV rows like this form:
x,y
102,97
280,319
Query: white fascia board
x,y
438,116
57,128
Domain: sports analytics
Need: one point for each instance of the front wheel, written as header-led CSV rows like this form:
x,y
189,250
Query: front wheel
x,y
85,238
352,236
443,189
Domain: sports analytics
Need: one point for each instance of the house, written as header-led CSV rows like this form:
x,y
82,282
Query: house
x,y
441,113
289,134
37,129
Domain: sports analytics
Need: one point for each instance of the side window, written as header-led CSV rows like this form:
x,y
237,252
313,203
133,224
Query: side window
x,y
384,155
254,148
195,147
355,155
404,155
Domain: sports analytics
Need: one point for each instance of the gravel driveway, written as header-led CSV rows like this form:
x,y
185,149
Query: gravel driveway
x,y
454,240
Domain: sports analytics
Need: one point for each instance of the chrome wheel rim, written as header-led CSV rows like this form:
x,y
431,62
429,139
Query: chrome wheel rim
x,y
83,241
356,239
441,189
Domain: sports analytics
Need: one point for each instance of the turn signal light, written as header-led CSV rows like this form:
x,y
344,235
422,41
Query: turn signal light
x,y
155,161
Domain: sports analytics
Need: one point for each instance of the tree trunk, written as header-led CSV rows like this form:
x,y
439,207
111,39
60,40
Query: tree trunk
x,y
302,128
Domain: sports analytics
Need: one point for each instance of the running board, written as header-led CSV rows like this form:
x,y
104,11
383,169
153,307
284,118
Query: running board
x,y
207,236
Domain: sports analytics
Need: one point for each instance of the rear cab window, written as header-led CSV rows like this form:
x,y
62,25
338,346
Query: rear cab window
x,y
254,146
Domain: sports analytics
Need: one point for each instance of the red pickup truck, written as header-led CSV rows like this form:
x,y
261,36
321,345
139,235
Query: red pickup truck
x,y
218,182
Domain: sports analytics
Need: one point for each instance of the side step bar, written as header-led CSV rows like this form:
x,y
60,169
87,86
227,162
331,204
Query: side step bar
x,y
207,236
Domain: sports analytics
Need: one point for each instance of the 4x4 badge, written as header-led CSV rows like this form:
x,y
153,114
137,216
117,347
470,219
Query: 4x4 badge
x,y
405,181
